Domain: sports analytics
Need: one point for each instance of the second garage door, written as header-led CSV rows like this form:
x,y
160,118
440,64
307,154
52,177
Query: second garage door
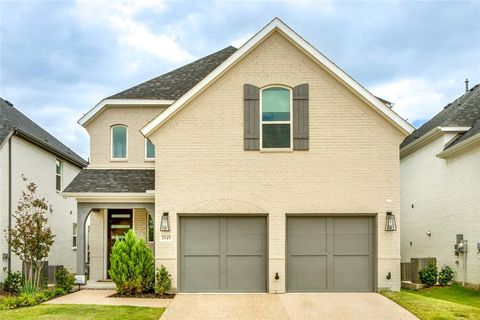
x,y
330,254
223,254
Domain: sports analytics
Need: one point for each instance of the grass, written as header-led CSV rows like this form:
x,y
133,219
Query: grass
x,y
439,303
73,312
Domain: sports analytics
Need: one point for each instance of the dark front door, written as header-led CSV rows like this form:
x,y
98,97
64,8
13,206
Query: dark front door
x,y
119,222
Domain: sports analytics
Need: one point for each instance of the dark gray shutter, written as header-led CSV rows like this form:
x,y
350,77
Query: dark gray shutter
x,y
251,117
300,117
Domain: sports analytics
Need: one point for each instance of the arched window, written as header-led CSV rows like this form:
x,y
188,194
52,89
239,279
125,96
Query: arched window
x,y
119,142
276,118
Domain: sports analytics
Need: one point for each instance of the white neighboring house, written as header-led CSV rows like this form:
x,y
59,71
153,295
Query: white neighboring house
x,y
26,148
440,188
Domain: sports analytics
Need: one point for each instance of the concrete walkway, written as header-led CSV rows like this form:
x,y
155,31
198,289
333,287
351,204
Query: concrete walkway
x,y
101,297
370,306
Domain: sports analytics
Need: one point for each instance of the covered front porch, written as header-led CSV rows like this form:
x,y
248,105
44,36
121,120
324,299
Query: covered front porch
x,y
109,203
98,227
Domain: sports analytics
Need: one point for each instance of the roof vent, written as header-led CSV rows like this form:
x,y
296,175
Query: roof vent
x,y
466,85
9,103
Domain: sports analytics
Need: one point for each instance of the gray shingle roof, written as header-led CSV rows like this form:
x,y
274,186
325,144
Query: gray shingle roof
x,y
463,112
11,119
174,84
112,180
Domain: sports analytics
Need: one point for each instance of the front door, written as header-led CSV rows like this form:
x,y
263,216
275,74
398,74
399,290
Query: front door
x,y
119,222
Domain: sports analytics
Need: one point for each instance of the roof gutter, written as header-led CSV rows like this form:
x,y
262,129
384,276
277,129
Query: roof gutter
x,y
430,134
24,135
86,118
148,196
460,146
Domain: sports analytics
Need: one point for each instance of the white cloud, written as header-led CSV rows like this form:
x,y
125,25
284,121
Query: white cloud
x,y
237,43
418,99
131,33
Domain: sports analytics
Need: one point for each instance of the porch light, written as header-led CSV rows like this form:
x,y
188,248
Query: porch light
x,y
390,224
165,222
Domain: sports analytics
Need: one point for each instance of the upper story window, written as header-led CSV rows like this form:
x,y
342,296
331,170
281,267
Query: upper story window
x,y
149,150
58,175
276,118
119,142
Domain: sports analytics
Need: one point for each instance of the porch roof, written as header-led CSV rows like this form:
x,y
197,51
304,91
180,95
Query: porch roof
x,y
112,181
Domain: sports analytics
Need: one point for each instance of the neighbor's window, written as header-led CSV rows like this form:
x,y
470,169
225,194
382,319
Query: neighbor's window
x,y
58,175
151,228
149,150
74,237
276,122
119,142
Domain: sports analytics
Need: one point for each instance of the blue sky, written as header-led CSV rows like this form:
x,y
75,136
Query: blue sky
x,y
60,58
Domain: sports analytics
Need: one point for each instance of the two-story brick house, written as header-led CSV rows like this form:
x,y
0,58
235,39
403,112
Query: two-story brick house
x,y
262,169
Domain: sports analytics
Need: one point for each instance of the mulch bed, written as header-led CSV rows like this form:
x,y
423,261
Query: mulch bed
x,y
148,295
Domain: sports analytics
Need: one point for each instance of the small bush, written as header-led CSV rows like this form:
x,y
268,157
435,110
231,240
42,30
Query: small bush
x,y
428,275
131,265
13,282
28,288
164,280
65,280
445,275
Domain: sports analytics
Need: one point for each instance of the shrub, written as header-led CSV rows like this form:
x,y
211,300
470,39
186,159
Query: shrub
x,y
13,282
164,280
65,280
428,275
131,265
28,288
445,275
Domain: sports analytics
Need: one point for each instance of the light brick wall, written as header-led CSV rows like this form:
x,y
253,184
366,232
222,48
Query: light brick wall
x,y
352,166
135,117
445,194
39,166
140,223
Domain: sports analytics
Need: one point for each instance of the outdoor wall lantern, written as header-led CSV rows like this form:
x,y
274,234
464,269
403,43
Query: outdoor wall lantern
x,y
165,222
390,224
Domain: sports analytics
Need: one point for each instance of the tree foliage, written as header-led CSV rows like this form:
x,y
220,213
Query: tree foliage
x,y
131,265
163,280
30,237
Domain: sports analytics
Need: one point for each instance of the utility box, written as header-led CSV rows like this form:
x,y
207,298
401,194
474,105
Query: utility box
x,y
417,264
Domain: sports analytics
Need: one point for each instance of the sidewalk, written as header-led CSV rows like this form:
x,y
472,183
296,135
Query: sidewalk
x,y
101,297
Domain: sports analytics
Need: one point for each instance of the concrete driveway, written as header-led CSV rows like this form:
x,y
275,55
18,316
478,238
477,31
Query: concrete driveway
x,y
369,306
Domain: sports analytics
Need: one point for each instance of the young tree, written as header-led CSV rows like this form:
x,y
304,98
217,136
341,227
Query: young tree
x,y
30,237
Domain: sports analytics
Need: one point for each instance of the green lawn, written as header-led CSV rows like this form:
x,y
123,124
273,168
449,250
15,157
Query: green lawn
x,y
73,312
440,303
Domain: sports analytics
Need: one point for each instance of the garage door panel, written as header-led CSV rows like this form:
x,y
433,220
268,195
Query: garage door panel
x,y
351,225
308,244
308,273
352,273
307,225
225,254
352,244
245,273
329,254
201,273
246,244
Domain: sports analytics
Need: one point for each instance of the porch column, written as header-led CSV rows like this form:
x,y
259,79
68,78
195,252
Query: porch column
x,y
82,214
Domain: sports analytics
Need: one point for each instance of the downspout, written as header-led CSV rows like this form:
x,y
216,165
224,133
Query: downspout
x,y
9,267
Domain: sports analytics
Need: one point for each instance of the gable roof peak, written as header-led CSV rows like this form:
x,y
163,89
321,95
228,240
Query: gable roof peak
x,y
297,40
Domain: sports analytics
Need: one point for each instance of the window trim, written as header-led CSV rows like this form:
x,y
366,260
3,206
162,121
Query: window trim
x,y
111,142
290,122
146,153
58,175
148,228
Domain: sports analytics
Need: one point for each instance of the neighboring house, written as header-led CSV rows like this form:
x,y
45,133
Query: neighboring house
x,y
440,188
26,149
266,169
